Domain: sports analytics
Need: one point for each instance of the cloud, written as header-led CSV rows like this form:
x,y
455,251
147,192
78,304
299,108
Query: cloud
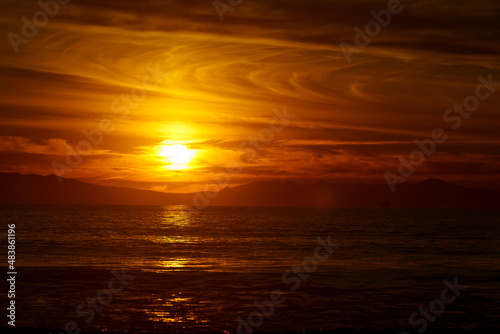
x,y
221,80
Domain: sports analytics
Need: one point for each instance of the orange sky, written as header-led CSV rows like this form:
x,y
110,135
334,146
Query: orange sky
x,y
211,84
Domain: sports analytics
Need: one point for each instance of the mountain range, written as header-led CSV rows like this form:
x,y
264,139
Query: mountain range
x,y
433,193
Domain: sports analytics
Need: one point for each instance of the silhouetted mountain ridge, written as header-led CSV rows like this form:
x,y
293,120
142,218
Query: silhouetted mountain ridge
x,y
431,193
37,189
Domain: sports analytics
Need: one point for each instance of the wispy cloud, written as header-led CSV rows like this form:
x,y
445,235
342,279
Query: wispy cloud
x,y
225,78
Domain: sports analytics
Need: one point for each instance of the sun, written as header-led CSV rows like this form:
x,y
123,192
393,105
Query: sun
x,y
178,155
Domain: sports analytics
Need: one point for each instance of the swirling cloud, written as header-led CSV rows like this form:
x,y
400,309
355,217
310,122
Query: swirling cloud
x,y
221,80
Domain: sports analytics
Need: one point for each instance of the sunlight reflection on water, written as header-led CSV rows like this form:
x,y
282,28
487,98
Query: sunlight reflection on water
x,y
205,269
176,309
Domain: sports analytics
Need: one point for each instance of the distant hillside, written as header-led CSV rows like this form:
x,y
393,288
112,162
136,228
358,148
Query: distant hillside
x,y
37,189
432,193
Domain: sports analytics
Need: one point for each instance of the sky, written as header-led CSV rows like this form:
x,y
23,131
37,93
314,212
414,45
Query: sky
x,y
171,95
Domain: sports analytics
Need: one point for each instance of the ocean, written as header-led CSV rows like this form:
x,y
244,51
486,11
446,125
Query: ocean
x,y
236,269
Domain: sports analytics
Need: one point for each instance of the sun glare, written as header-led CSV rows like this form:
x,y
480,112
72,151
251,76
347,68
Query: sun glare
x,y
178,155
